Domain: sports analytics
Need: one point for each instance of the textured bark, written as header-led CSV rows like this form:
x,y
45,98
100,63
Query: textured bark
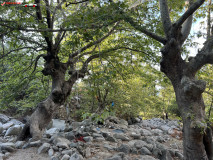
x,y
197,140
60,91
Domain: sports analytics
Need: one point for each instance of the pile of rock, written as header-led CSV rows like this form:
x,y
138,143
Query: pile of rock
x,y
115,140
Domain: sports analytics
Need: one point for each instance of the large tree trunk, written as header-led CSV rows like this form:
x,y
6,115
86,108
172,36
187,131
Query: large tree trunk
x,y
197,140
60,91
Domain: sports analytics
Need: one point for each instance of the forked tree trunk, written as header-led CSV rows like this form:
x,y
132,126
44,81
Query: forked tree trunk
x,y
197,137
43,113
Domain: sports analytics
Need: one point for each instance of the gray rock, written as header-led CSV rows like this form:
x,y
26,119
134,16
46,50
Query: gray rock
x,y
52,131
88,138
161,146
68,152
165,155
121,136
115,157
145,132
160,139
123,123
70,135
54,158
87,152
1,156
76,125
60,124
14,130
16,122
157,132
8,125
179,155
144,151
99,139
108,147
134,150
147,157
110,139
165,128
173,123
61,142
139,144
19,144
4,118
35,143
135,135
73,145
44,148
95,135
124,148
9,146
62,145
51,152
156,152
76,156
65,157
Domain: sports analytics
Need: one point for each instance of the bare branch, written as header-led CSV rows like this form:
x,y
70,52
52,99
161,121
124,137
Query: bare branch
x,y
76,2
187,25
165,17
189,12
36,61
145,31
209,19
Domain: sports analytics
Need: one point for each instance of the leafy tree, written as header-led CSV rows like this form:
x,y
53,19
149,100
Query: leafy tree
x,y
197,137
68,36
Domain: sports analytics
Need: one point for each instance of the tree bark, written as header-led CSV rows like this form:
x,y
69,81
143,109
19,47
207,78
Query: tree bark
x,y
60,91
197,140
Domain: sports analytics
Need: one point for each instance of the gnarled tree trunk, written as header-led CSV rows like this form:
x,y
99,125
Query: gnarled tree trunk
x,y
197,140
61,89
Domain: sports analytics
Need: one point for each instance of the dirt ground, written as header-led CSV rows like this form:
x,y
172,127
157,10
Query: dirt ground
x,y
27,154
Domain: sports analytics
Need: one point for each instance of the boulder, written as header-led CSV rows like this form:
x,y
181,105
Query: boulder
x,y
9,146
8,125
52,131
14,130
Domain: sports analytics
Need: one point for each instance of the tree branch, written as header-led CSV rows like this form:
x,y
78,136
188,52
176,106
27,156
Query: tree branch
x,y
94,43
36,61
165,17
187,25
76,2
189,12
143,30
18,50
204,56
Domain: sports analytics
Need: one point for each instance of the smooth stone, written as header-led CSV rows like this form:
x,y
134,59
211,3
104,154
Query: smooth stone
x,y
44,148
65,157
14,130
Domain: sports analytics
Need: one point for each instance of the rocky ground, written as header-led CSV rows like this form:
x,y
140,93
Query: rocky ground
x,y
115,140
